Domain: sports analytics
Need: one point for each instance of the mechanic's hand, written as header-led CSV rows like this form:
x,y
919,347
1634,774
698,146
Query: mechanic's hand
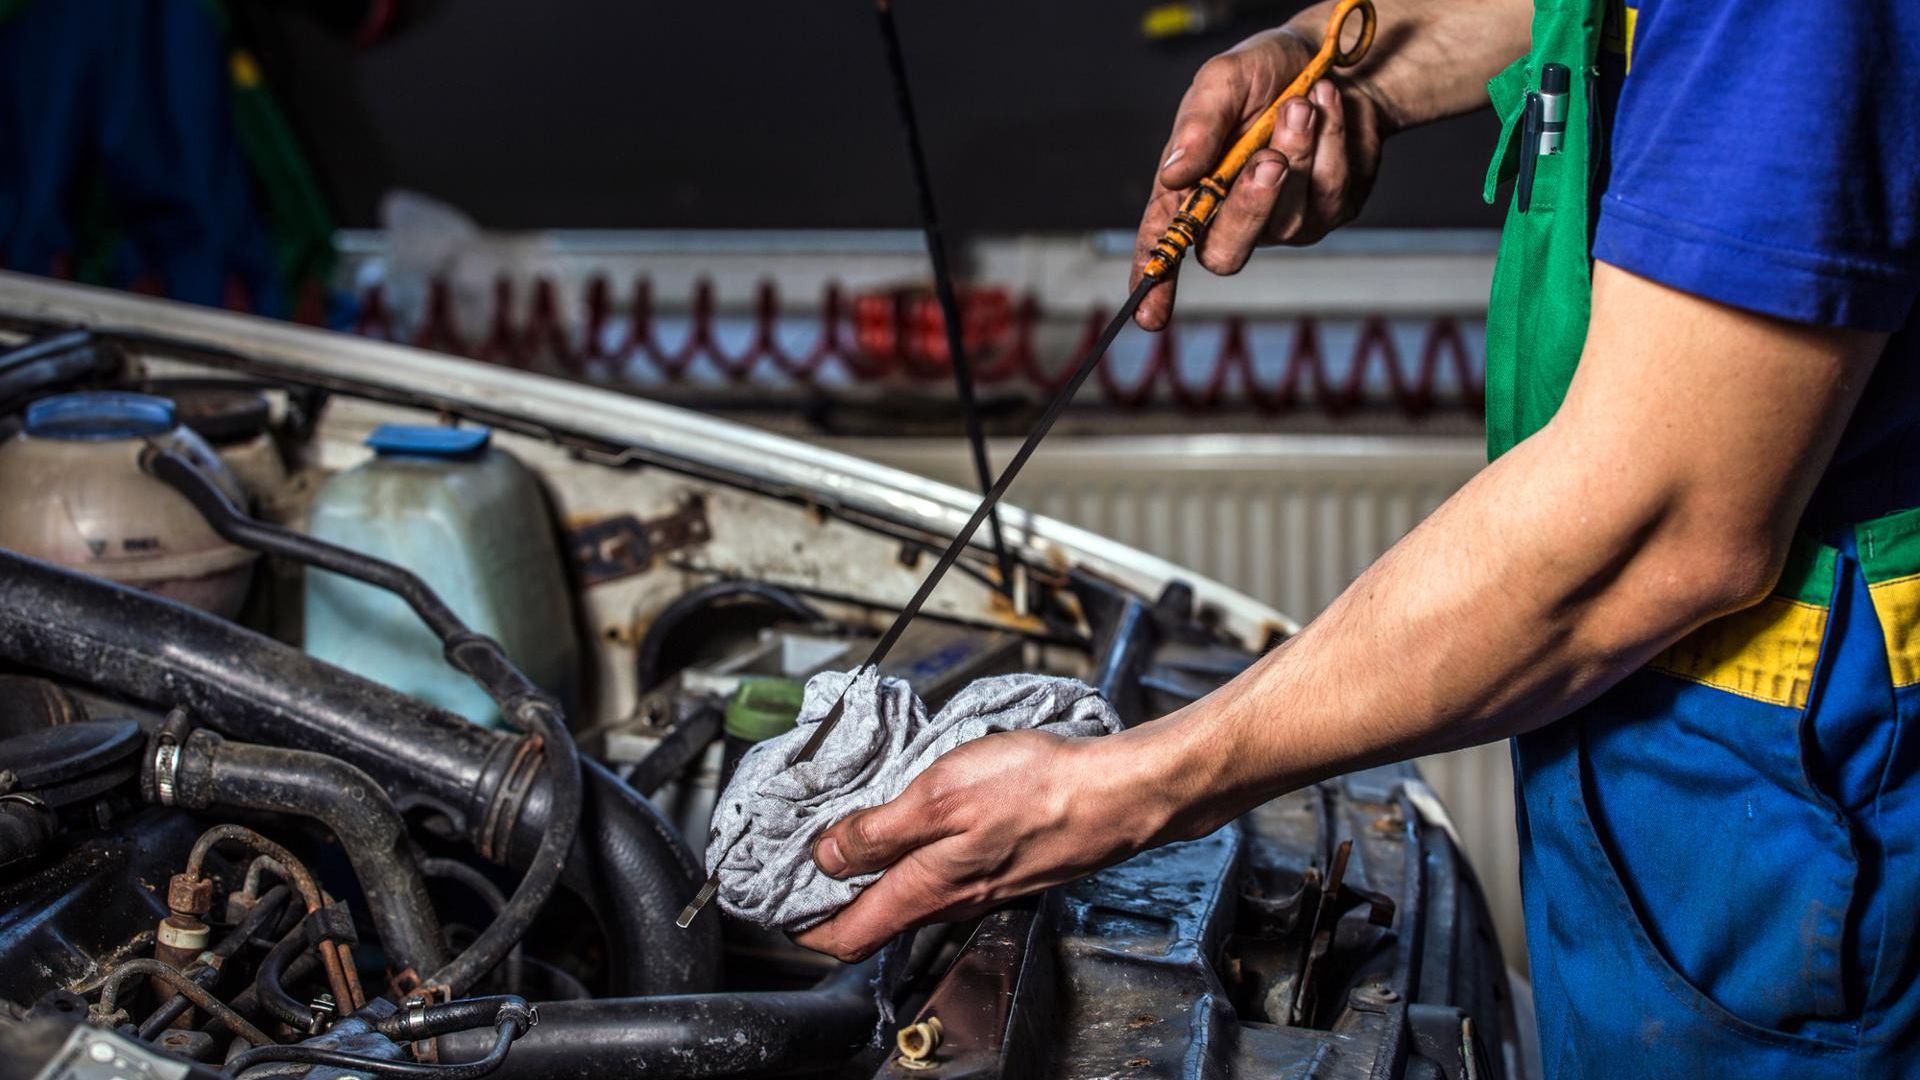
x,y
996,818
1312,176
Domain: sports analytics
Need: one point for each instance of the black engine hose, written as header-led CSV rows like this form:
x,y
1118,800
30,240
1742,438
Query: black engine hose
x,y
36,367
632,867
300,1054
480,657
269,981
691,1036
27,826
483,887
668,622
212,771
418,1022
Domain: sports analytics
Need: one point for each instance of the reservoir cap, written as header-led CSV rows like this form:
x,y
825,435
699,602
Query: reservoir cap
x,y
99,415
439,442
764,707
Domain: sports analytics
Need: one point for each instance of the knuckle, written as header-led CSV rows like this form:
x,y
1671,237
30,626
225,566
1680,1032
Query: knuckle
x,y
857,836
1221,70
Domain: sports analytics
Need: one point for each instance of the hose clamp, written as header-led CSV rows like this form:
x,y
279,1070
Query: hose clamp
x,y
166,762
416,1021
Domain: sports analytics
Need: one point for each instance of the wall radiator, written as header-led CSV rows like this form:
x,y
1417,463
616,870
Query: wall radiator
x,y
1289,519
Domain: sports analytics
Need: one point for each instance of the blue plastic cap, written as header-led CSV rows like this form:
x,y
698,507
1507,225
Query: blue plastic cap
x,y
99,415
440,442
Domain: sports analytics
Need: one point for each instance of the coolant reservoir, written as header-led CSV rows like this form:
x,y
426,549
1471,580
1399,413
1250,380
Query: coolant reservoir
x,y
470,520
75,495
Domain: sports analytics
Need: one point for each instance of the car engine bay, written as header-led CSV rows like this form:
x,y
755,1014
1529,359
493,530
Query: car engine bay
x,y
274,801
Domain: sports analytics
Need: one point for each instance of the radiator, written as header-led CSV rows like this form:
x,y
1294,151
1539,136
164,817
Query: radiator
x,y
1289,519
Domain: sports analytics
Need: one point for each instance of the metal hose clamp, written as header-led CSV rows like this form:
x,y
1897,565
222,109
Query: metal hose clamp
x,y
416,1021
166,762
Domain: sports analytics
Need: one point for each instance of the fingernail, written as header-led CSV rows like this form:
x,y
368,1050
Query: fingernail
x,y
1322,94
1266,172
827,855
1178,153
1299,114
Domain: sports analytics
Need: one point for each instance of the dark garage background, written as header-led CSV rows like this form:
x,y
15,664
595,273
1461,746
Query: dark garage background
x,y
773,113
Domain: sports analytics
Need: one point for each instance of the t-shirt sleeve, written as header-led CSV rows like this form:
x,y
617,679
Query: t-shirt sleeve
x,y
1766,154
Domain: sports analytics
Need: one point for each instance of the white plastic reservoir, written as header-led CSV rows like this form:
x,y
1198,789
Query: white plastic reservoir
x,y
470,520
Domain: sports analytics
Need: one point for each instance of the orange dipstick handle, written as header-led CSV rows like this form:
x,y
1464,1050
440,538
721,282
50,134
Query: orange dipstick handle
x,y
1205,201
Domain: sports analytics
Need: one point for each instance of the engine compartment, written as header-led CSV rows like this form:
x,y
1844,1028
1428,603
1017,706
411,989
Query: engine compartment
x,y
221,854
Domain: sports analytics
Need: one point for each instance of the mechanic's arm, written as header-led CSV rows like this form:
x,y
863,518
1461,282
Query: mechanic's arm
x,y
1663,494
1431,59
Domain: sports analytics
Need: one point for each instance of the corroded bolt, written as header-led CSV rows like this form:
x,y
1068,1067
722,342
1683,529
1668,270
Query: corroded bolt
x,y
189,895
321,1010
918,1041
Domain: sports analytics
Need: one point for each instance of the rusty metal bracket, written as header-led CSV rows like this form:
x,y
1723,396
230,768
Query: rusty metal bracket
x,y
1331,899
621,546
414,1001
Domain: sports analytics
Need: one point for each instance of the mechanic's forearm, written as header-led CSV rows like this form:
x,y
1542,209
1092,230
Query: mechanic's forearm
x,y
1663,493
1431,59
1524,596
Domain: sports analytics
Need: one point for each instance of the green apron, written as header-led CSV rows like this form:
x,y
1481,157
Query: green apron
x,y
1543,281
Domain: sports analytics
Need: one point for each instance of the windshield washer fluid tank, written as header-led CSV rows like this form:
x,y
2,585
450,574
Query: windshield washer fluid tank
x,y
471,521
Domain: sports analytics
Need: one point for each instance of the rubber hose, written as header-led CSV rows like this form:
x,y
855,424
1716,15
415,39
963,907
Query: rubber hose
x,y
313,1055
215,772
666,624
269,986
693,1036
629,864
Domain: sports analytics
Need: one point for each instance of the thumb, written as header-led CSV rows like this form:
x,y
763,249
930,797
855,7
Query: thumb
x,y
867,841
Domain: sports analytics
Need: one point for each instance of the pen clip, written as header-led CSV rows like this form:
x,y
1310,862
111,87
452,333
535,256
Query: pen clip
x,y
1530,123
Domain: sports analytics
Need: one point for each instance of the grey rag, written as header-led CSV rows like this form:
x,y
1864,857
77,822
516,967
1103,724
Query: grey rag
x,y
767,820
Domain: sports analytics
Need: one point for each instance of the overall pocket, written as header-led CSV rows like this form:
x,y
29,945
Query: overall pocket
x,y
1732,872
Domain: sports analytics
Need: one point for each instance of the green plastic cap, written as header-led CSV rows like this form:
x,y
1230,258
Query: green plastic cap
x,y
764,707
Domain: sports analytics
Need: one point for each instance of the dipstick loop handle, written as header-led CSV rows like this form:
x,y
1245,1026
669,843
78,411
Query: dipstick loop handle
x,y
1193,215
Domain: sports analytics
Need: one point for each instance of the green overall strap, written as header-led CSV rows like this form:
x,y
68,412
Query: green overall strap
x,y
1543,281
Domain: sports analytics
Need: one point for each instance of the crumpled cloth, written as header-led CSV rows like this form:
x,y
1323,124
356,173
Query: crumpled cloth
x,y
766,822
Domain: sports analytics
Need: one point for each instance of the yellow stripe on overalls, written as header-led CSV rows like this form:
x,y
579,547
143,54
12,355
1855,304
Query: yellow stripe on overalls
x,y
1766,652
1897,604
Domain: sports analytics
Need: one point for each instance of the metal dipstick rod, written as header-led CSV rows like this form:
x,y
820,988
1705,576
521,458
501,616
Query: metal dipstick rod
x,y
943,289
1188,223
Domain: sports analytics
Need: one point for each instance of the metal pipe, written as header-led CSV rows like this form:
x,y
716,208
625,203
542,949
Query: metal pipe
x,y
299,1053
127,970
341,977
264,910
691,1036
212,771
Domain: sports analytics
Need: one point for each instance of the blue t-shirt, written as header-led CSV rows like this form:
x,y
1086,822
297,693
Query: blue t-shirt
x,y
1766,154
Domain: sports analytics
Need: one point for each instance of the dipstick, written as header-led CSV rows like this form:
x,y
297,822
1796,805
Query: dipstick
x,y
1187,224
